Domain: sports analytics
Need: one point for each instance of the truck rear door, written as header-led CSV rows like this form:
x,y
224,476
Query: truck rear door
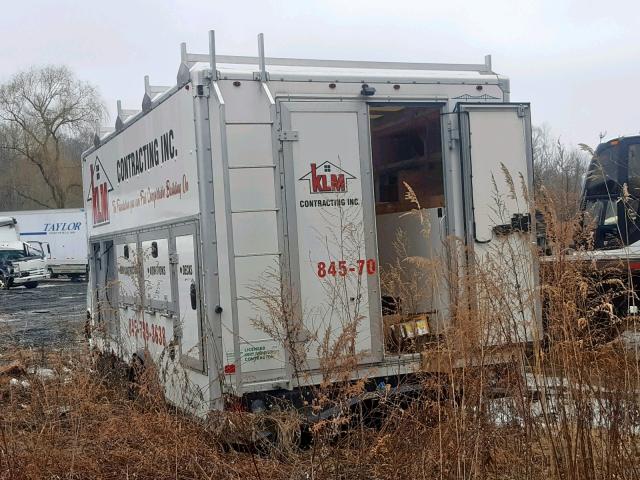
x,y
497,177
331,227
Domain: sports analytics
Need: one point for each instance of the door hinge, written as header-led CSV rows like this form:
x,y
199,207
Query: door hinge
x,y
454,135
173,258
288,136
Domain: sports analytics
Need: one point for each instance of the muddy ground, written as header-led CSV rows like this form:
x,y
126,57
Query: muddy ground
x,y
51,315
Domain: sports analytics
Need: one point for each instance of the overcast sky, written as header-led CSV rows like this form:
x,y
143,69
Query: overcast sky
x,y
577,62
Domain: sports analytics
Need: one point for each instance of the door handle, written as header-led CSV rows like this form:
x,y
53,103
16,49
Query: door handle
x,y
192,293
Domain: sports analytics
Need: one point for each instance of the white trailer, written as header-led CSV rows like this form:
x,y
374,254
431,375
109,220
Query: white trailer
x,y
256,175
63,235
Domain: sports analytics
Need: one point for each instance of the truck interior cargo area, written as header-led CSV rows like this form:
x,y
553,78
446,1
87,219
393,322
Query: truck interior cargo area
x,y
406,149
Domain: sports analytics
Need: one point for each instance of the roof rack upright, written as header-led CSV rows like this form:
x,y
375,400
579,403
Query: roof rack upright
x,y
123,115
150,92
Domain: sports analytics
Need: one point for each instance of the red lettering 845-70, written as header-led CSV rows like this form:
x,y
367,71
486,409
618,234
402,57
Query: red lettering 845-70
x,y
342,269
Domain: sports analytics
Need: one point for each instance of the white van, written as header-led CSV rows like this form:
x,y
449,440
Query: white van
x,y
256,184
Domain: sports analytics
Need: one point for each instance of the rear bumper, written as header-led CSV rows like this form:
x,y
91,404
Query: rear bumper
x,y
33,277
70,269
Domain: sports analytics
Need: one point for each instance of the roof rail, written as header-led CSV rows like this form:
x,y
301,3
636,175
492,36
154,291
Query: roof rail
x,y
299,62
263,62
187,60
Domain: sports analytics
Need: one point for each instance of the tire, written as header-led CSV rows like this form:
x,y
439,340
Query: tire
x,y
4,283
31,285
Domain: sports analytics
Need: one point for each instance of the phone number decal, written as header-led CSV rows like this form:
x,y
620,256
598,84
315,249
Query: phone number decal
x,y
148,331
341,268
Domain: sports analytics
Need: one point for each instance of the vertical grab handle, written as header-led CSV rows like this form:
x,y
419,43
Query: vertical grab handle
x,y
192,293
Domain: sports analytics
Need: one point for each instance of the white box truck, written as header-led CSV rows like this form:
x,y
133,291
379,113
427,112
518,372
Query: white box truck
x,y
62,234
21,263
257,175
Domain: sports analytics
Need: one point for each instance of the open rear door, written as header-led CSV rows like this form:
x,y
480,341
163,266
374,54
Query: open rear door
x,y
497,166
330,224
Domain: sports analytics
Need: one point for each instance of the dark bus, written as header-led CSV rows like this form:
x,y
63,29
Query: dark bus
x,y
611,194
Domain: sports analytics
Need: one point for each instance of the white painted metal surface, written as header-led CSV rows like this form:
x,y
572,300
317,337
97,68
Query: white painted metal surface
x,y
147,174
335,260
9,231
498,164
188,298
498,143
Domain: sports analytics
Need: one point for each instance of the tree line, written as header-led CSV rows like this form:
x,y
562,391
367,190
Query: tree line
x,y
48,118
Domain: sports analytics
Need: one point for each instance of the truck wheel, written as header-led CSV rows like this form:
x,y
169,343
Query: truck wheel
x,y
31,284
4,283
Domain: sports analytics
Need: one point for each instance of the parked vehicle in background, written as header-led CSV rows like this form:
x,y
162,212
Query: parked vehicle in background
x,y
611,195
610,208
62,234
20,262
285,180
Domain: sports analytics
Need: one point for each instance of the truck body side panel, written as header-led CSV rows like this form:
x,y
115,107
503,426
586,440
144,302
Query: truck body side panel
x,y
142,197
147,174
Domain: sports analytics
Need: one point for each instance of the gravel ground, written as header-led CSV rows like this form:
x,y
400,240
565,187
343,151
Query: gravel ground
x,y
51,315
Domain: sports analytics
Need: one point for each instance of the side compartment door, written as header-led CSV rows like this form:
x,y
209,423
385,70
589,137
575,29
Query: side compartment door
x,y
105,294
497,180
331,228
189,326
154,329
130,290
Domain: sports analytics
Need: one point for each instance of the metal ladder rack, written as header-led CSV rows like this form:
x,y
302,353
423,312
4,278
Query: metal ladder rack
x,y
190,59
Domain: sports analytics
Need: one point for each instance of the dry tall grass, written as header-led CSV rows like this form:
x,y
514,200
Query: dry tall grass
x,y
564,407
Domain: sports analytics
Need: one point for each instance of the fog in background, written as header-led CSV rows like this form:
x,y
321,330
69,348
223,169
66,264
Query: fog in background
x,y
577,63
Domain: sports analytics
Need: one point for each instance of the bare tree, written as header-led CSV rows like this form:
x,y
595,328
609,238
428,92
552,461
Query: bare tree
x,y
45,113
560,169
